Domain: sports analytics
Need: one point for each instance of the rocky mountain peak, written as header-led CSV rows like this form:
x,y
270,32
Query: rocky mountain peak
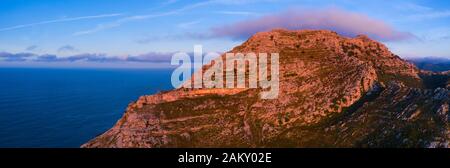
x,y
334,91
330,45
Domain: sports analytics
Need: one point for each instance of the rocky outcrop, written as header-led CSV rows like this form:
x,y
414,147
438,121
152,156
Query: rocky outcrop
x,y
334,92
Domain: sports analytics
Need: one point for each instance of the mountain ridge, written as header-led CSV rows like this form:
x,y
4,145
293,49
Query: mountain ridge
x,y
334,92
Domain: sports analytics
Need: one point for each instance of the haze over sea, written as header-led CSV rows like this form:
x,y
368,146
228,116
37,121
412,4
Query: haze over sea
x,y
68,107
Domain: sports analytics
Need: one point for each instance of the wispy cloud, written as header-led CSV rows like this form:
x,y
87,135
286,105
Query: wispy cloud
x,y
435,35
421,12
124,20
187,25
174,37
67,48
31,48
59,21
430,15
119,22
169,2
413,7
236,13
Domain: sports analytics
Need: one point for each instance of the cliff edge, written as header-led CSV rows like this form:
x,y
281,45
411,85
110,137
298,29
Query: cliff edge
x,y
334,92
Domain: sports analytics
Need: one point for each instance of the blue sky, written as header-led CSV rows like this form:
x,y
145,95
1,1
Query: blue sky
x,y
72,32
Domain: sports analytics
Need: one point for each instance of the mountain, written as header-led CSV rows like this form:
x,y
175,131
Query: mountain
x,y
334,92
432,63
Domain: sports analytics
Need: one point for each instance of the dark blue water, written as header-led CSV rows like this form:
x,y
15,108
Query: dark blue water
x,y
67,107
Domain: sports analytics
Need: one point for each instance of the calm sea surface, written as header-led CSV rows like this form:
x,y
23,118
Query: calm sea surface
x,y
67,107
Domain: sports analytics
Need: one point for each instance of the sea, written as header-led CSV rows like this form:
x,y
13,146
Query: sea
x,y
64,108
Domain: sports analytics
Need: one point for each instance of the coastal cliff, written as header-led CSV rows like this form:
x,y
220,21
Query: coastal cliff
x,y
334,92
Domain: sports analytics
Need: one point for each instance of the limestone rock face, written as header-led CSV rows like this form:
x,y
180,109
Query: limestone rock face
x,y
334,92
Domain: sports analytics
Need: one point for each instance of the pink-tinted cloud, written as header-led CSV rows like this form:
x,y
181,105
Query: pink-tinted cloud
x,y
344,22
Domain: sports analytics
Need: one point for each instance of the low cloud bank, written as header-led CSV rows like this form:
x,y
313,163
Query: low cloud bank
x,y
343,22
151,57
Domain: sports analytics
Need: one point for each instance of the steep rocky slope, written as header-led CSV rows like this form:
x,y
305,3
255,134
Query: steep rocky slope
x,y
334,92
